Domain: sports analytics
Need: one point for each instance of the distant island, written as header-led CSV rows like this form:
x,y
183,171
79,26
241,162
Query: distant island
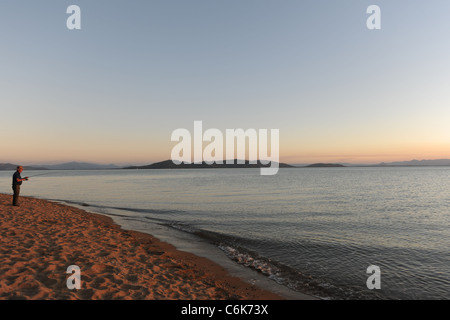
x,y
74,165
10,166
168,164
324,165
61,166
415,163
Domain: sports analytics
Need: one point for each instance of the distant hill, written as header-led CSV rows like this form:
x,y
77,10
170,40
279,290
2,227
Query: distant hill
x,y
324,165
10,166
168,164
437,162
79,166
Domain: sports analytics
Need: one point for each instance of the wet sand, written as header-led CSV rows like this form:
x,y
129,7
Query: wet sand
x,y
40,239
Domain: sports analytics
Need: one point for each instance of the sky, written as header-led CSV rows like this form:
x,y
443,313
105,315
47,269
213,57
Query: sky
x,y
115,90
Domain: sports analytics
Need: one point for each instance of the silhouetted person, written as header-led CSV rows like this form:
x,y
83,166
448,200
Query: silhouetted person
x,y
16,182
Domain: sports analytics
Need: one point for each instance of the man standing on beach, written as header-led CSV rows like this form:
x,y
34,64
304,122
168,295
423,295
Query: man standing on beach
x,y
16,182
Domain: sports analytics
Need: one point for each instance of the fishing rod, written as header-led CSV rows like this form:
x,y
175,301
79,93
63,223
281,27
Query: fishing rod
x,y
42,174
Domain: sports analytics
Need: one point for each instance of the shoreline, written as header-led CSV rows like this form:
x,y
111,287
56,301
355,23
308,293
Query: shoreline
x,y
188,242
41,239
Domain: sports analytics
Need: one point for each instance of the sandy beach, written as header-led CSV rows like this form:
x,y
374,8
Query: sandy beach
x,y
40,239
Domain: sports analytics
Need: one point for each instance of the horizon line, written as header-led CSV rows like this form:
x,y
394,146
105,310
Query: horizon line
x,y
53,163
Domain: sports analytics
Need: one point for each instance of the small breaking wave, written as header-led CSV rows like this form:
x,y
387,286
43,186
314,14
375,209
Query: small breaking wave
x,y
249,261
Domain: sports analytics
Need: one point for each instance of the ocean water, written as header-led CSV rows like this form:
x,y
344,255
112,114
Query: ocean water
x,y
314,230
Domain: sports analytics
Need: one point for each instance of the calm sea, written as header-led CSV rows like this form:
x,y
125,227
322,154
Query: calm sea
x,y
315,230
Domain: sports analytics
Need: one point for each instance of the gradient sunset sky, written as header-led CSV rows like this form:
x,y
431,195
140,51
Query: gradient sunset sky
x,y
114,91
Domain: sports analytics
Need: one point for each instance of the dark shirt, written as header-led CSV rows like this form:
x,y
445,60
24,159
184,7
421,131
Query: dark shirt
x,y
16,176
